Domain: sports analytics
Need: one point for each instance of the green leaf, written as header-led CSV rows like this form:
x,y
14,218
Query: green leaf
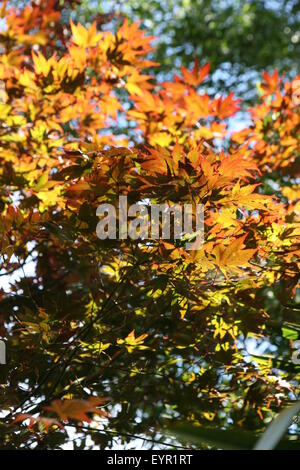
x,y
41,182
277,428
222,439
227,439
289,333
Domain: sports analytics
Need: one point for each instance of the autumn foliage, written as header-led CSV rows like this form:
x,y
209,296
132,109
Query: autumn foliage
x,y
139,335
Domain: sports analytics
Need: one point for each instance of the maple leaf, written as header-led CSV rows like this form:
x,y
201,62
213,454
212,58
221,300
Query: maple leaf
x,y
233,256
41,64
244,196
203,262
78,410
197,75
226,107
83,37
50,197
271,83
136,83
236,165
131,342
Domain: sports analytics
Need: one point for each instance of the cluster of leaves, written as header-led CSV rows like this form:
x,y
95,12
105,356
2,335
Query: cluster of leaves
x,y
160,330
239,38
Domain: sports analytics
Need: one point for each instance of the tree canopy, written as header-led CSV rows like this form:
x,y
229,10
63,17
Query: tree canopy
x,y
119,339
